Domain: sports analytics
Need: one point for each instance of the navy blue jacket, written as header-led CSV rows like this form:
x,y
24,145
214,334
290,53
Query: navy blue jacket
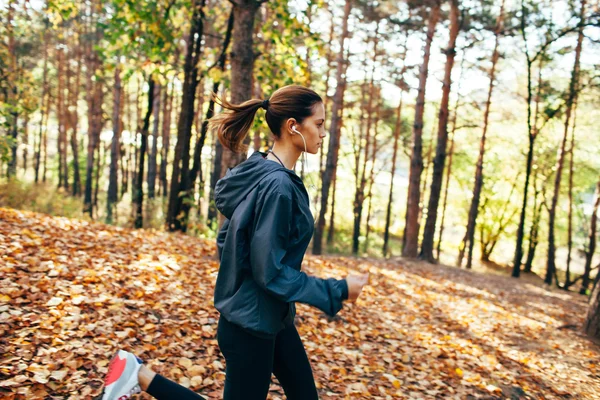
x,y
261,246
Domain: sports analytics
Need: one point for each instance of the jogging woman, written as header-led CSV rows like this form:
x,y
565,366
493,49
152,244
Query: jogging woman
x,y
261,246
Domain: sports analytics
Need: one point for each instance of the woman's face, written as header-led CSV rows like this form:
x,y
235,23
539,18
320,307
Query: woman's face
x,y
313,130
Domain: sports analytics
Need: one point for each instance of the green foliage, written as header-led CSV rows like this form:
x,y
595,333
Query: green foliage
x,y
39,198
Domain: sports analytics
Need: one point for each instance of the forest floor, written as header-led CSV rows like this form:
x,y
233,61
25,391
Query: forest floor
x,y
73,292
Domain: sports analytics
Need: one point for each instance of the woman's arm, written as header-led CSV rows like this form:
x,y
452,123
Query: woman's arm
x,y
268,247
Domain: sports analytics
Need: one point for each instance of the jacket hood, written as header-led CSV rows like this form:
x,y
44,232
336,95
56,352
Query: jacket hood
x,y
239,181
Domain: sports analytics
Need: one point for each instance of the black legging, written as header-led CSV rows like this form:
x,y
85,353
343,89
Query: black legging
x,y
249,362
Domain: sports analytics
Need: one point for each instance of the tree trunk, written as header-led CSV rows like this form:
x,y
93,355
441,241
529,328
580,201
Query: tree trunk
x,y
478,184
359,194
180,177
242,66
74,123
331,227
573,90
412,226
570,217
94,100
326,105
12,92
60,114
450,157
535,225
532,136
592,322
372,173
388,214
166,136
154,151
139,191
589,254
113,179
334,139
440,153
197,159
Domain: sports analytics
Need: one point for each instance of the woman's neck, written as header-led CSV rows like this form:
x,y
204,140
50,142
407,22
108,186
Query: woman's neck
x,y
287,154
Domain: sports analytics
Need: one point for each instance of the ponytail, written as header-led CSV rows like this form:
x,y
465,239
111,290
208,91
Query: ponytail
x,y
233,125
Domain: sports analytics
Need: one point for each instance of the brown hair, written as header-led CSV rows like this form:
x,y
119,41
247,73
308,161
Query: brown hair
x,y
291,101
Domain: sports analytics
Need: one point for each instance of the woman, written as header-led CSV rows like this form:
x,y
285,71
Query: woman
x,y
261,245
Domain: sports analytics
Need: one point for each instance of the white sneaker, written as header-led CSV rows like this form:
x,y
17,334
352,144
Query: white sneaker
x,y
121,381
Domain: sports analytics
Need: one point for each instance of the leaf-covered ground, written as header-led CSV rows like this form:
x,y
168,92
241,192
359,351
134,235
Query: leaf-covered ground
x,y
73,292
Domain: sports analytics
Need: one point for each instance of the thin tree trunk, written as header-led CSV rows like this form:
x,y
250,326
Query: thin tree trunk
x,y
11,94
412,225
478,184
573,90
242,64
334,139
589,254
95,98
592,322
326,104
74,122
359,194
197,159
180,177
532,134
112,195
166,135
440,153
139,191
450,157
535,224
570,217
372,173
152,158
331,227
388,215
60,114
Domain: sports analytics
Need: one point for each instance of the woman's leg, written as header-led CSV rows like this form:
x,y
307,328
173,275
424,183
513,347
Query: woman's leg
x,y
162,388
127,376
292,368
248,362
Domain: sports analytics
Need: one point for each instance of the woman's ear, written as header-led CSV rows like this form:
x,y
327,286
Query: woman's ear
x,y
289,124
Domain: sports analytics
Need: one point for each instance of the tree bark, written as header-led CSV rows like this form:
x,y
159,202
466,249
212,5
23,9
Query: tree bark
x,y
112,196
412,225
197,159
450,157
592,322
326,105
74,123
573,90
532,134
570,216
166,142
440,153
242,66
94,100
139,191
334,139
388,214
589,254
359,193
535,225
180,177
331,227
152,158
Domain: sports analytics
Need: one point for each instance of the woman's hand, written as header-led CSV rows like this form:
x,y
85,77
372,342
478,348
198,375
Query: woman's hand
x,y
356,284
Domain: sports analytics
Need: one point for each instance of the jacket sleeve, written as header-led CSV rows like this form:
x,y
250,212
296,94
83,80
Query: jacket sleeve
x,y
221,237
267,248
